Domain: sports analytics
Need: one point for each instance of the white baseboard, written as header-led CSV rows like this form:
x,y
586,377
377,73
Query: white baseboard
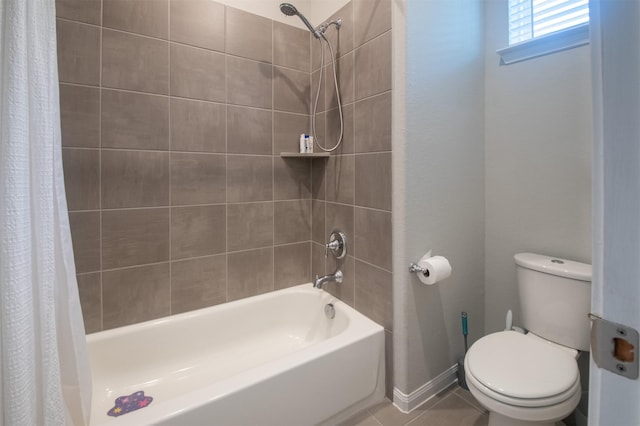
x,y
407,403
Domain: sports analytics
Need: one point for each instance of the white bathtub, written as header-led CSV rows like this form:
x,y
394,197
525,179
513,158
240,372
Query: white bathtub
x,y
273,359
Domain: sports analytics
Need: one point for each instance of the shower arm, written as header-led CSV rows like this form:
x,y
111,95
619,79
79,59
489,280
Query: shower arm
x,y
325,26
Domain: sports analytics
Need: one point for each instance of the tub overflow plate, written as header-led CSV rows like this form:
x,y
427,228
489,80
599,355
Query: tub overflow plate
x,y
330,311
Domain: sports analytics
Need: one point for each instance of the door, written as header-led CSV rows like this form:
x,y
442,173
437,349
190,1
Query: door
x,y
615,33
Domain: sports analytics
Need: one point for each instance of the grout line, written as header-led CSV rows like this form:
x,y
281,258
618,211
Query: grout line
x,y
100,167
170,155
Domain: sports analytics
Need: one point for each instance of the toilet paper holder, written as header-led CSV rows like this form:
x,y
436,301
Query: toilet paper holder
x,y
414,267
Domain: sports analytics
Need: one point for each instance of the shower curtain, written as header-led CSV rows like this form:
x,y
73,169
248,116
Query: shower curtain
x,y
44,369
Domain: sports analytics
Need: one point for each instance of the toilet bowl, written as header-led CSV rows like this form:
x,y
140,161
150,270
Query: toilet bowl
x,y
523,379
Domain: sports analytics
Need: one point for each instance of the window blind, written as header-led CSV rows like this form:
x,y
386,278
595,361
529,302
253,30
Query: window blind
x,y
529,19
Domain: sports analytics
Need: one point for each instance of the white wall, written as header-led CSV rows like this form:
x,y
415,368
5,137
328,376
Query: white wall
x,y
438,182
271,9
538,161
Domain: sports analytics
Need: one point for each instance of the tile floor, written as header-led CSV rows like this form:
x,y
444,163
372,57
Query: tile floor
x,y
453,407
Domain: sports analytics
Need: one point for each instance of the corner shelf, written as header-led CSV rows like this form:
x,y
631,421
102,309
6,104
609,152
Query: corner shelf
x,y
305,155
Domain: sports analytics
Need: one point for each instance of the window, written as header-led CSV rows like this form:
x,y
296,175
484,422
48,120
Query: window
x,y
540,27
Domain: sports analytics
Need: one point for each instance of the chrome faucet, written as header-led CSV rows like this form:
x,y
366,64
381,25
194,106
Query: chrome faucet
x,y
320,281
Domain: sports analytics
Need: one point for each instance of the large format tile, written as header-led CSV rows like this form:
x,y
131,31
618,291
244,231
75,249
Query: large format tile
x,y
292,264
198,179
85,236
134,62
81,177
148,17
333,130
78,53
249,225
197,231
80,116
249,130
198,22
340,217
373,293
198,283
287,129
291,47
345,74
80,10
372,18
292,221
134,237
134,295
340,179
248,35
344,291
134,179
197,126
372,237
341,40
249,178
291,90
134,120
291,178
318,231
372,122
90,290
249,83
373,67
452,411
373,180
197,73
250,273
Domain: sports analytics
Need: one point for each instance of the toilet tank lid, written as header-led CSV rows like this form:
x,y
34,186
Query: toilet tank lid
x,y
554,266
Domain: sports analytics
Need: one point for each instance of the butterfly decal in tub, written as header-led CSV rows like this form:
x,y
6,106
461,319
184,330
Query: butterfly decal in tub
x,y
128,403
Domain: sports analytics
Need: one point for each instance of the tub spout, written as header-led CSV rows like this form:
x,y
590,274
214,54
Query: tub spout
x,y
319,282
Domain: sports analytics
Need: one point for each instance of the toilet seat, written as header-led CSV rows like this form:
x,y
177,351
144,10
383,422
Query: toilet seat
x,y
519,370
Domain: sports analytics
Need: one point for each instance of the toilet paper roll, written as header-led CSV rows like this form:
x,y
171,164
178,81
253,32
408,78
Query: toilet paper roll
x,y
437,268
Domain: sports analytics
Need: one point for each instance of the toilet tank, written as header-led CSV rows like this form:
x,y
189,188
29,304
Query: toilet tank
x,y
555,298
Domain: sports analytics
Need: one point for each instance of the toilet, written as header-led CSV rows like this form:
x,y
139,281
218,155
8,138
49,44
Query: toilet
x,y
533,378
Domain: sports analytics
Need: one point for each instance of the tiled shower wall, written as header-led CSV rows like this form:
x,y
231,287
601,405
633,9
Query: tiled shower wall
x,y
173,116
352,189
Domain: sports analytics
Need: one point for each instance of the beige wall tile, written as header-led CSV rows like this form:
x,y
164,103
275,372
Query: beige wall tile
x,y
287,129
341,40
250,273
373,287
134,179
197,73
197,126
135,294
318,232
345,73
249,130
373,180
292,221
78,53
291,178
249,178
372,237
198,283
90,290
85,235
340,217
134,62
333,130
291,47
372,18
248,35
340,178
134,237
198,22
250,225
292,265
249,83
134,120
318,179
198,179
88,11
318,261
291,90
81,177
321,104
197,231
373,67
372,122
148,17
80,116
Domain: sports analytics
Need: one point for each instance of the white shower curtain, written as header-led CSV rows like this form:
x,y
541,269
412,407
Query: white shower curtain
x,y
44,369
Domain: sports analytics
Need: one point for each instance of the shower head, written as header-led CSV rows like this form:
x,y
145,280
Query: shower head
x,y
290,10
